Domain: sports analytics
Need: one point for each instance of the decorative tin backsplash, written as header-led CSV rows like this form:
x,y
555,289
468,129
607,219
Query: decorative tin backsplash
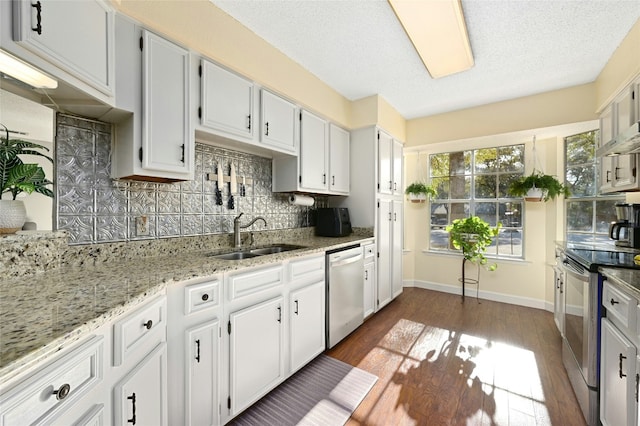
x,y
93,208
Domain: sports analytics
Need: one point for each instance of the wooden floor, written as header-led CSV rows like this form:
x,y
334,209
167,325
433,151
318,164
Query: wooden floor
x,y
442,362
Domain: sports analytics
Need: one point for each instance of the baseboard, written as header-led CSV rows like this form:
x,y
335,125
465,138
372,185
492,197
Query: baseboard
x,y
487,295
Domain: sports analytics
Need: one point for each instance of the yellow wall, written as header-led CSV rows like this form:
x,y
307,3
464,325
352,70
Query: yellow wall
x,y
376,111
622,67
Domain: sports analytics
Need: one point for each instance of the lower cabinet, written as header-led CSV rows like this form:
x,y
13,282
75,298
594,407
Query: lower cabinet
x,y
140,398
389,240
307,320
369,279
255,352
618,377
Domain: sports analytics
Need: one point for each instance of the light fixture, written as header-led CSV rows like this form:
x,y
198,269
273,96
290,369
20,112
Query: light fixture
x,y
26,73
438,32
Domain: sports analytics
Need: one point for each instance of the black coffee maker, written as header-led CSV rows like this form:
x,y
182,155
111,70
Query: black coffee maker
x,y
626,230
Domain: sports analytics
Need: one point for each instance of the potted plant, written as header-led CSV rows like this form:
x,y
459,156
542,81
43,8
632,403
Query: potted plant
x,y
473,235
17,177
418,192
537,187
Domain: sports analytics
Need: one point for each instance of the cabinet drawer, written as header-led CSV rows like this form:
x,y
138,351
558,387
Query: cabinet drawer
x,y
308,268
251,282
369,250
198,297
144,327
55,387
620,306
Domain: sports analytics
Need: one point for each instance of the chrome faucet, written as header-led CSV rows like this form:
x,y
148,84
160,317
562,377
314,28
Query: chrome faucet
x,y
237,243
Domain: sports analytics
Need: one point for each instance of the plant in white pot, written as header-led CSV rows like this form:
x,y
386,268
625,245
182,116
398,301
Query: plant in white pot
x,y
537,187
17,177
419,192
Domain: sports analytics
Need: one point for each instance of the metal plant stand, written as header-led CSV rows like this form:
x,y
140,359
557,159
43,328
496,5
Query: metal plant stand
x,y
468,280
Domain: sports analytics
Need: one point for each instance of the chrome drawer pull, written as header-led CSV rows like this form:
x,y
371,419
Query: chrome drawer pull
x,y
63,392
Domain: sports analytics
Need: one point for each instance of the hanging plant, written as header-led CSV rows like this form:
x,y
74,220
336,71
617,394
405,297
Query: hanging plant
x,y
537,187
419,192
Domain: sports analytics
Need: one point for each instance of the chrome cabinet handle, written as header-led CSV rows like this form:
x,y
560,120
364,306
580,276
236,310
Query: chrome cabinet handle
x,y
63,392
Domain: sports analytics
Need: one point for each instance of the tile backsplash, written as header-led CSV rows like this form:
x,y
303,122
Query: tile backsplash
x,y
94,208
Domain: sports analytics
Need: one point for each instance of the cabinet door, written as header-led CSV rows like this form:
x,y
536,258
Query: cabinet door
x,y
141,397
227,101
397,168
166,139
617,377
625,109
313,152
339,159
369,288
77,37
624,171
307,313
278,122
558,301
385,221
396,247
202,352
255,352
385,163
606,163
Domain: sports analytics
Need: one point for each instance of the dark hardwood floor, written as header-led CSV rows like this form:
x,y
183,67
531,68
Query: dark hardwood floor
x,y
442,362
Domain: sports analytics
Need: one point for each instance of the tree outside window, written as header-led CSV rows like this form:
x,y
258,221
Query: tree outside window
x,y
588,214
475,182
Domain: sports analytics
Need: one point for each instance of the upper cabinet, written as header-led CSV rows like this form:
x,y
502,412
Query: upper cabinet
x,y
227,102
322,165
619,172
75,36
155,140
278,121
389,165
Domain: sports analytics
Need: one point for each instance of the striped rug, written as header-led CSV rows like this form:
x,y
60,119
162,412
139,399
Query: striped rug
x,y
323,393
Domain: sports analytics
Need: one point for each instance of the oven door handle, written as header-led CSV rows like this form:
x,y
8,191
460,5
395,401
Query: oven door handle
x,y
574,273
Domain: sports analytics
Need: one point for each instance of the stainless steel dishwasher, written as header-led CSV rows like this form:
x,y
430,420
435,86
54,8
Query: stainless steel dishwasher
x,y
345,292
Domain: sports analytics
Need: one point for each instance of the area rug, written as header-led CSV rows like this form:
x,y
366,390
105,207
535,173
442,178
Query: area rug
x,y
325,393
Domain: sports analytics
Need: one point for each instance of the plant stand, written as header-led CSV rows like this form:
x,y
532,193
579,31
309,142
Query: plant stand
x,y
468,280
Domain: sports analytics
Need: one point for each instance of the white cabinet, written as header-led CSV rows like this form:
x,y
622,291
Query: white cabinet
x,y
322,165
77,37
558,299
278,120
307,313
389,240
155,141
619,173
194,351
338,160
255,352
140,397
396,249
227,102
369,279
313,153
617,384
389,165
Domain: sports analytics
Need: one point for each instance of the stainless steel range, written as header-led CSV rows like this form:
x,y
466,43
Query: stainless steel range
x,y
582,314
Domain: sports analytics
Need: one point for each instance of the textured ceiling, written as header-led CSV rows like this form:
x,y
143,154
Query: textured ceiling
x,y
520,47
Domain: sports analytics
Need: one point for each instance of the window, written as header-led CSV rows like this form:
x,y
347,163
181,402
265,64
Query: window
x,y
474,183
587,214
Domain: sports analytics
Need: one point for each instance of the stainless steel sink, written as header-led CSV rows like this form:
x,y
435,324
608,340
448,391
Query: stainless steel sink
x,y
260,251
236,255
276,248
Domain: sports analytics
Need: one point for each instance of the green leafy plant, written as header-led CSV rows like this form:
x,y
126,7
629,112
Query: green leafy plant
x,y
16,176
473,235
417,188
550,186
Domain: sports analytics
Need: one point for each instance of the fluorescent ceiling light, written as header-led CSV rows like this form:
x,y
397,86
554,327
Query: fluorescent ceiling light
x,y
26,73
438,32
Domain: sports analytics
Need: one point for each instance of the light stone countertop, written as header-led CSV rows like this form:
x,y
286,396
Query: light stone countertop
x,y
43,313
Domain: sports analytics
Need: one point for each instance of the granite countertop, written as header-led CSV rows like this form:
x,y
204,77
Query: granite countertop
x,y
43,313
628,279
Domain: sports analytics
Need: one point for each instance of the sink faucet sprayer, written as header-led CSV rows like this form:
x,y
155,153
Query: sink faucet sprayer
x,y
236,228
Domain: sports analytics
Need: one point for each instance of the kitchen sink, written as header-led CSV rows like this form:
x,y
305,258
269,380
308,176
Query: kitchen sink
x,y
260,251
276,248
235,255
